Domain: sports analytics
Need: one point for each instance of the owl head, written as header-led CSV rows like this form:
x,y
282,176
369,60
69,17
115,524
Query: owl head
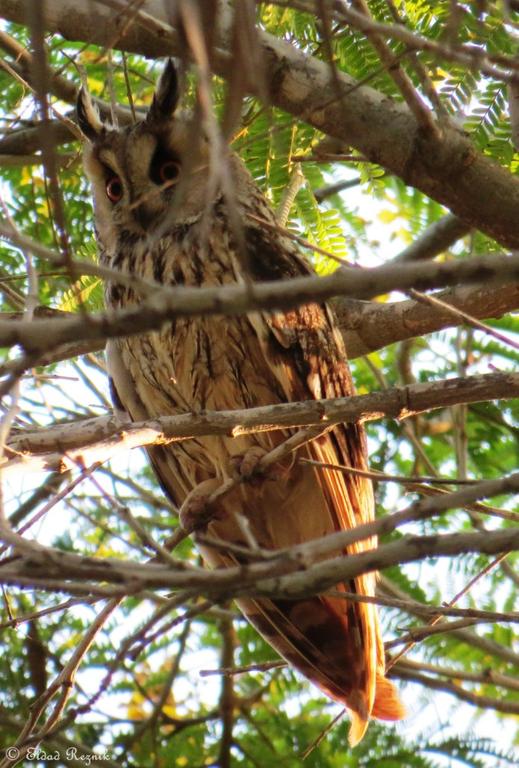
x,y
148,176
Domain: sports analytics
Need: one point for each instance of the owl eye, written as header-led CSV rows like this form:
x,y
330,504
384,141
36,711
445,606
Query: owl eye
x,y
114,189
169,171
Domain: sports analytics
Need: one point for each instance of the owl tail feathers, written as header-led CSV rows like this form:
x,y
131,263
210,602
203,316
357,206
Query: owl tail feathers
x,y
387,704
357,728
357,706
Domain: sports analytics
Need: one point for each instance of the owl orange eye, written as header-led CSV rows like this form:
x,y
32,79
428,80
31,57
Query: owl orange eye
x,y
169,171
114,189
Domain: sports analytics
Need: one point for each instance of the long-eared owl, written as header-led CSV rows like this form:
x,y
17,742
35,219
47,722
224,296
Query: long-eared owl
x,y
162,214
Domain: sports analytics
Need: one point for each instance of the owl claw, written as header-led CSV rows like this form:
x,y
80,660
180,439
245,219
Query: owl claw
x,y
248,466
195,512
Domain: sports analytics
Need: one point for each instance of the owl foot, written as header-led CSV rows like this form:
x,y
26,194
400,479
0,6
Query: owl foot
x,y
195,512
248,466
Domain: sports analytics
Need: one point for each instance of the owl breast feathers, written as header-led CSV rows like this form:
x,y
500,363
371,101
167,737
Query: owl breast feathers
x,y
159,215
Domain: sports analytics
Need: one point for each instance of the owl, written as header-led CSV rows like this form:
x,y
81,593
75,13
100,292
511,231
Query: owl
x,y
162,214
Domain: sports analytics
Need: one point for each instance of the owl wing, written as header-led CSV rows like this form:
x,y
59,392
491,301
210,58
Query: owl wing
x,y
335,643
128,405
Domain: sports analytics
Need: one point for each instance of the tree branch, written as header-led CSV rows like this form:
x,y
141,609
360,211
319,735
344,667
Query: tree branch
x,y
73,754
294,572
76,444
227,696
477,700
283,577
436,239
38,337
471,56
486,676
368,326
485,645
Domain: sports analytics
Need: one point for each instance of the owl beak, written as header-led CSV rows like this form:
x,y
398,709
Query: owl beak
x,y
145,206
144,216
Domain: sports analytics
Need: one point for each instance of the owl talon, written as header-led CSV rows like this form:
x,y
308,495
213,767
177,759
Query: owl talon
x,y
195,512
247,466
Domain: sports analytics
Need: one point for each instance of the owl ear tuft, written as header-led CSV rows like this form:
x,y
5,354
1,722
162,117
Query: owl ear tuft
x,y
88,116
165,98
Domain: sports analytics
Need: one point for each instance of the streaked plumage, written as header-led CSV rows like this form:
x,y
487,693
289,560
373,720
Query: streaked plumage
x,y
178,236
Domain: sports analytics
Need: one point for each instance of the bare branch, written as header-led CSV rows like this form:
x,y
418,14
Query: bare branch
x,y
436,239
93,440
73,754
485,676
420,609
489,648
243,670
286,572
56,570
476,699
167,303
227,696
62,686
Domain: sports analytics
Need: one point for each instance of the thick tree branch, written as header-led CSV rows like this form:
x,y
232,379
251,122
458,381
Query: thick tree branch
x,y
27,141
368,326
82,443
281,561
448,169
